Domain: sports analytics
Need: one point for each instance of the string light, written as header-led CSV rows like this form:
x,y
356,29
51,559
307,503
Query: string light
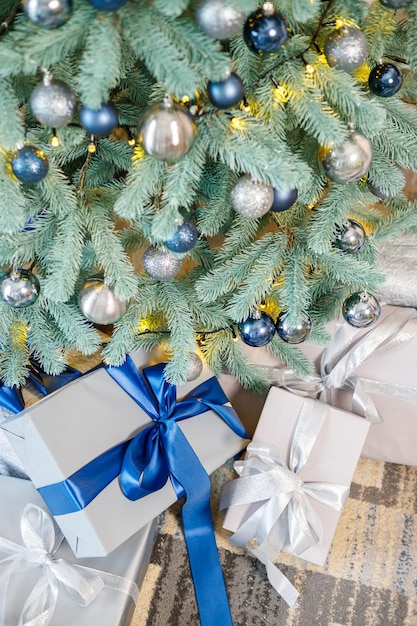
x,y
92,145
237,122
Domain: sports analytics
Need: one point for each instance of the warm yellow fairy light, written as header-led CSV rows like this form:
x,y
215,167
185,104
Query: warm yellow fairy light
x,y
138,154
281,93
92,147
237,122
340,22
55,141
185,99
131,141
310,69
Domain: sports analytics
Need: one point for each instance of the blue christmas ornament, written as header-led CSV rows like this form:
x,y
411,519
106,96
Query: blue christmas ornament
x,y
100,121
182,239
283,199
48,13
258,330
265,30
396,4
30,165
225,93
385,80
108,5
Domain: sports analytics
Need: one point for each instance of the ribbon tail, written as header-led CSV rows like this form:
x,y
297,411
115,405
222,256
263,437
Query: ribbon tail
x,y
363,405
41,602
277,579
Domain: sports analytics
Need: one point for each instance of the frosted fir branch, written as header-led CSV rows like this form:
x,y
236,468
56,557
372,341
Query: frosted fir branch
x,y
74,329
291,356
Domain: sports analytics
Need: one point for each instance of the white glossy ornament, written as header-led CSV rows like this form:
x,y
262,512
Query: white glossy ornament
x,y
160,264
218,20
19,288
251,198
98,303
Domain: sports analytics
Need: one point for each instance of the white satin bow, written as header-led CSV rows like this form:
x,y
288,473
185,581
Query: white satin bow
x,y
282,514
82,584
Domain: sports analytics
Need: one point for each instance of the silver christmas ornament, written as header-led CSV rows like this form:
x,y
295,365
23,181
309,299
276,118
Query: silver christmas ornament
x,y
348,162
351,237
194,367
159,264
250,198
167,130
218,20
48,13
19,288
293,333
53,102
361,309
346,48
98,303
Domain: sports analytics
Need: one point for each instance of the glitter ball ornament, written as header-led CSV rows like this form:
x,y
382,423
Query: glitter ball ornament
x,y
53,102
351,237
225,93
194,367
293,334
348,162
258,330
98,303
265,30
99,122
396,4
183,238
159,264
385,80
48,13
250,198
283,199
108,5
30,165
361,309
19,288
167,130
346,48
218,20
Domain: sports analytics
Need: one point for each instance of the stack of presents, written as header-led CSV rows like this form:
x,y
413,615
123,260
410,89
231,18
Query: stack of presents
x,y
86,470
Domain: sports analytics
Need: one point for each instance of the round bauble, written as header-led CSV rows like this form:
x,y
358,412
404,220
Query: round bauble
x,y
19,288
183,238
258,330
108,5
265,30
293,333
98,303
167,130
361,309
160,264
250,198
225,93
194,367
283,199
351,237
349,161
395,4
218,20
48,13
53,103
99,122
385,80
346,48
30,165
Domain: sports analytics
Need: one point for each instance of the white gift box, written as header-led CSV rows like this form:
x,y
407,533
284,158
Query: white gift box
x,y
65,431
110,607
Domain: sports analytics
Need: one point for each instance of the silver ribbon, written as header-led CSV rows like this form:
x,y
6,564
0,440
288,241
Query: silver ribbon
x,y
344,355
82,584
281,513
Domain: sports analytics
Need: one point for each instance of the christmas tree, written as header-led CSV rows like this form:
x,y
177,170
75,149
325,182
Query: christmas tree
x,y
198,175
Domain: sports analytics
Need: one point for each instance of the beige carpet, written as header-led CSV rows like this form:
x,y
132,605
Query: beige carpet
x,y
370,578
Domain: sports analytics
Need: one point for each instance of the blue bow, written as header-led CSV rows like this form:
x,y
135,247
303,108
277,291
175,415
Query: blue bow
x,y
144,464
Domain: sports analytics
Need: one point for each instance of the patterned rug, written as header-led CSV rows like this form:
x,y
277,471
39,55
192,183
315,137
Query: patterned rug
x,y
370,577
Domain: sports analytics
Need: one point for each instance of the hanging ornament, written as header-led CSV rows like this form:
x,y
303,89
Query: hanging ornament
x,y
265,30
346,48
99,122
53,102
159,264
349,161
385,80
225,93
250,198
218,20
19,288
48,13
167,130
395,4
98,303
108,5
29,165
351,237
283,199
194,367
361,309
293,334
183,238
257,330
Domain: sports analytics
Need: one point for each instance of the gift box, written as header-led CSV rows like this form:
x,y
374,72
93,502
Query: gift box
x,y
398,262
293,482
110,607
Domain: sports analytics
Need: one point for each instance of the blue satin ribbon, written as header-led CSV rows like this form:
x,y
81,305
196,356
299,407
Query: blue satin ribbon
x,y
144,464
11,398
47,383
